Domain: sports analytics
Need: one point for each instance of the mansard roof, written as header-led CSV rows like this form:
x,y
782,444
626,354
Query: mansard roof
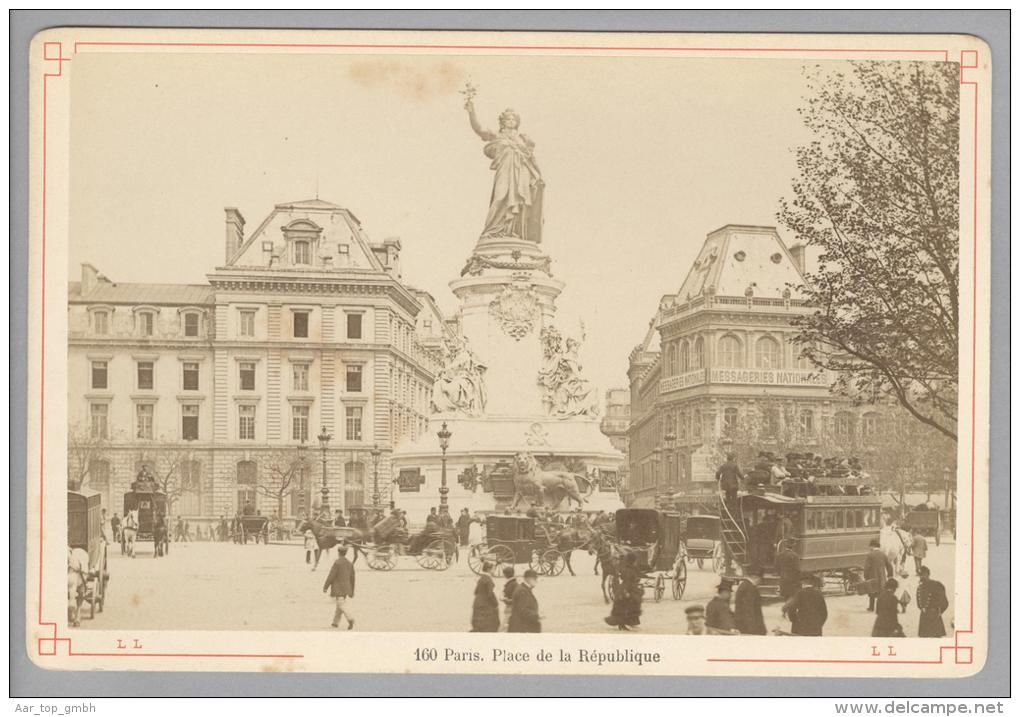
x,y
736,257
108,292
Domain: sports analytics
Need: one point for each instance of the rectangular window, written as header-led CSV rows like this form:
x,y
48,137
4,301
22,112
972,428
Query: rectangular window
x,y
146,323
301,324
189,422
246,423
98,420
145,374
101,323
354,379
144,413
246,325
300,377
247,375
191,324
190,382
343,249
99,374
300,421
354,326
354,414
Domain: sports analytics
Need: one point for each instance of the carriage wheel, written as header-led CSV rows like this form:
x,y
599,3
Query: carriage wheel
x,y
427,560
718,558
500,556
611,587
437,555
679,580
553,562
381,559
660,587
477,556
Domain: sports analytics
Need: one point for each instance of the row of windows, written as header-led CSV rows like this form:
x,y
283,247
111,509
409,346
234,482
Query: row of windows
x,y
300,321
145,376
844,423
683,356
841,519
99,421
145,323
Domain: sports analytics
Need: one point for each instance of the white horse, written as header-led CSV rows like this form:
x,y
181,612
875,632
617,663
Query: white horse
x,y
130,532
76,570
895,543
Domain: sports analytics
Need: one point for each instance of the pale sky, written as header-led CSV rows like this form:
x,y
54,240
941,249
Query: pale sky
x,y
641,159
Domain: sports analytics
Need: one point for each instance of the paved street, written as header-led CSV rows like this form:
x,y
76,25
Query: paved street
x,y
222,586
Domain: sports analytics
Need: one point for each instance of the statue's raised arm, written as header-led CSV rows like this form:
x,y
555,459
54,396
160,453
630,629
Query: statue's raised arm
x,y
515,207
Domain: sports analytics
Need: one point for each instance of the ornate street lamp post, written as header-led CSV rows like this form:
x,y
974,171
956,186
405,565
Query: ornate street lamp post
x,y
324,439
303,462
375,476
444,443
670,439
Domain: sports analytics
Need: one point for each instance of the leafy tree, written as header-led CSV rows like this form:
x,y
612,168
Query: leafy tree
x,y
877,195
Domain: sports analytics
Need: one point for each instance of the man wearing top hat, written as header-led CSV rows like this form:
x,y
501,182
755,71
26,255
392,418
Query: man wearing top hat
x,y
719,617
729,476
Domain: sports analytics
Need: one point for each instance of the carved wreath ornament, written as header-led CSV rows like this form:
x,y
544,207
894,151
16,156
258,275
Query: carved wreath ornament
x,y
515,310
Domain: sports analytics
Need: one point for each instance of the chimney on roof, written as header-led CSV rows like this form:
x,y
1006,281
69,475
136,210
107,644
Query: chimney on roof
x,y
797,252
235,231
89,278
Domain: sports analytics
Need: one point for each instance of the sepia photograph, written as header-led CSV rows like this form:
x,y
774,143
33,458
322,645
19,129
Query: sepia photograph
x,y
601,342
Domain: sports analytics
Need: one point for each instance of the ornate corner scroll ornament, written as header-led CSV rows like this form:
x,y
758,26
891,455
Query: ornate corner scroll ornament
x,y
515,310
536,435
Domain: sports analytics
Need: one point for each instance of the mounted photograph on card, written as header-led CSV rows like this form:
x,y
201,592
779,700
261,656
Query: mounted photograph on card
x,y
659,354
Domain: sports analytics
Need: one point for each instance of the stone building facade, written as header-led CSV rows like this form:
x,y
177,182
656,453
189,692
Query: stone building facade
x,y
718,360
306,328
615,425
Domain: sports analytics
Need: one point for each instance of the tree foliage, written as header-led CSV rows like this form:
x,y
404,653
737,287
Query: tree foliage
x,y
83,448
878,196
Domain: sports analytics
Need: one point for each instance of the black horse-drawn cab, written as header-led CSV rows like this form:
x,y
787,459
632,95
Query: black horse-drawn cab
x,y
656,541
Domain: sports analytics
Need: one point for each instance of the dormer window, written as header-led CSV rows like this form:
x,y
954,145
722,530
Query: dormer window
x,y
302,252
145,321
191,323
101,322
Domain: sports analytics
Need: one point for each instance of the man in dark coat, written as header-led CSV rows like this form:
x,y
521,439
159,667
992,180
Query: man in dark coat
x,y
463,526
340,583
485,609
932,602
806,610
719,617
729,476
524,608
339,521
887,612
788,567
877,569
747,604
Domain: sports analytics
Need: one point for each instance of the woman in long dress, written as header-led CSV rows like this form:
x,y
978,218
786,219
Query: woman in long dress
x,y
485,610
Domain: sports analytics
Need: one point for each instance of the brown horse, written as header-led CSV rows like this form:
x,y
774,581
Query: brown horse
x,y
325,538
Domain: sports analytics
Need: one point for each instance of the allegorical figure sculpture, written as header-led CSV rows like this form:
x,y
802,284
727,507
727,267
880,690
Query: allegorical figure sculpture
x,y
515,208
565,391
460,386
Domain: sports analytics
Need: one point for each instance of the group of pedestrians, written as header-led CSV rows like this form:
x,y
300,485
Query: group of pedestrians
x,y
520,606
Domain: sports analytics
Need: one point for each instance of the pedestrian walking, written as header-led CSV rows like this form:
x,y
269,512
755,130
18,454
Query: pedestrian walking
x,y
806,610
310,546
485,610
919,549
115,526
877,569
340,583
747,606
719,617
788,567
524,615
932,602
509,588
729,476
626,611
463,526
887,612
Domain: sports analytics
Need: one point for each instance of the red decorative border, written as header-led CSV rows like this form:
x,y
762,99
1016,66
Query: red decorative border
x,y
53,52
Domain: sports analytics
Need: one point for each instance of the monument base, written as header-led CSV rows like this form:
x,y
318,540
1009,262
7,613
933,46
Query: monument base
x,y
480,460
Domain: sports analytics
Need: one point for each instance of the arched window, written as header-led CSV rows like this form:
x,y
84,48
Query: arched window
x,y
302,252
803,362
685,357
671,360
767,353
869,424
247,479
354,484
731,353
807,423
98,478
698,355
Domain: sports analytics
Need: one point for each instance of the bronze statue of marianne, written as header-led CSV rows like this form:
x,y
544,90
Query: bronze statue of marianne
x,y
515,209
